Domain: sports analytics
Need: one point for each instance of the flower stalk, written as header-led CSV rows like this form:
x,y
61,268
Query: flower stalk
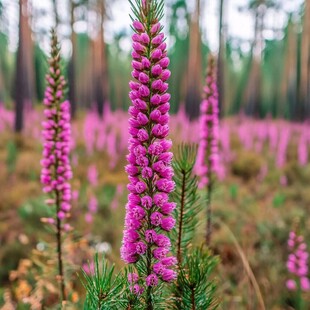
x,y
56,170
148,211
207,157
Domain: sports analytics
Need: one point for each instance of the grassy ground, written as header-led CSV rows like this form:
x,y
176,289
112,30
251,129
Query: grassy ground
x,y
253,214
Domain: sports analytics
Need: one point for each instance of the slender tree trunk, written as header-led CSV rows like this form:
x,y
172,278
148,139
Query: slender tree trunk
x,y
257,64
220,63
101,76
254,91
304,86
2,91
72,71
288,85
19,86
24,86
194,74
88,88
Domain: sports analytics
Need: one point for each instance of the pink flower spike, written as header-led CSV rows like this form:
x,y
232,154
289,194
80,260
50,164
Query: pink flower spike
x,y
57,142
149,162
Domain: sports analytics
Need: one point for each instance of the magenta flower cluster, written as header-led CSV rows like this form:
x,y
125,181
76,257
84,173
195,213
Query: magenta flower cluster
x,y
92,209
56,170
207,156
148,211
297,263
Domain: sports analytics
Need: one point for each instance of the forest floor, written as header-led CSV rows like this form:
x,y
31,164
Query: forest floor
x,y
253,215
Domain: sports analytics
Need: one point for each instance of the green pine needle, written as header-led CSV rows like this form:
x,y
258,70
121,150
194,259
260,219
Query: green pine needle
x,y
155,11
195,288
104,289
188,201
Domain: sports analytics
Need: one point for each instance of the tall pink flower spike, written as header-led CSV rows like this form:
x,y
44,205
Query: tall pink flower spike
x,y
207,157
297,263
56,170
148,211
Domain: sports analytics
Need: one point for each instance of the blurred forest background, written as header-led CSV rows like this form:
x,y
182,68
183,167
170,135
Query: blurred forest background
x,y
262,74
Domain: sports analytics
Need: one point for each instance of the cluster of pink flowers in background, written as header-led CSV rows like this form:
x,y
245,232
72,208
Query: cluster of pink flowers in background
x,y
92,175
118,195
92,209
110,134
107,134
207,157
56,170
148,211
297,263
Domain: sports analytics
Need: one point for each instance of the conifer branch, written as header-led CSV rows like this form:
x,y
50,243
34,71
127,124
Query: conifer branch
x,y
187,199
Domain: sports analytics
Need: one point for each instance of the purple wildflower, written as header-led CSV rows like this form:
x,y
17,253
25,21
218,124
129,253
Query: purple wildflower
x,y
56,170
297,263
152,280
92,209
92,175
207,157
149,160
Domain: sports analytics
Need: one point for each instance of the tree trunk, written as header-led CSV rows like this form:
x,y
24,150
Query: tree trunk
x,y
254,91
220,63
288,85
71,71
194,74
24,86
101,74
304,86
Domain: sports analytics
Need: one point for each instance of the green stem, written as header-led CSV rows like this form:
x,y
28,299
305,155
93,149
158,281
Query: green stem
x,y
59,252
58,221
193,298
179,254
149,302
209,214
300,301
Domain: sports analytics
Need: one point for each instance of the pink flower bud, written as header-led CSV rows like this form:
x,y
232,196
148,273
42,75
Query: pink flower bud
x,y
155,28
156,99
164,62
156,54
138,26
156,70
145,39
143,78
